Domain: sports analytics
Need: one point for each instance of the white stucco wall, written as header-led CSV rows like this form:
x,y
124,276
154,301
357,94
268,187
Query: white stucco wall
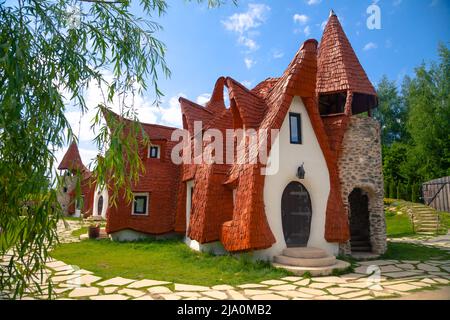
x,y
316,181
97,195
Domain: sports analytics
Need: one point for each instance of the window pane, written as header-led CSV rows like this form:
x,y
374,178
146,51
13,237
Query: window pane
x,y
140,204
294,129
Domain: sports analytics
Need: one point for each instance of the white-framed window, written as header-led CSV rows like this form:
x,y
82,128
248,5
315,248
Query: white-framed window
x,y
154,152
140,204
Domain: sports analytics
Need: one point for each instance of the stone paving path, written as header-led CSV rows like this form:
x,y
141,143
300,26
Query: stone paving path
x,y
441,242
371,280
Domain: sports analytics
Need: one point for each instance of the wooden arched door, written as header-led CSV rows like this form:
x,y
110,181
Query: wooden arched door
x,y
296,212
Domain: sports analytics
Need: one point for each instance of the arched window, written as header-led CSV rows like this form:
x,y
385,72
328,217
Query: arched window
x,y
100,205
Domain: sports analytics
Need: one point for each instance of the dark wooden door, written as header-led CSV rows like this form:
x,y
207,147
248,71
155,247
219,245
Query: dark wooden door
x,y
359,221
296,215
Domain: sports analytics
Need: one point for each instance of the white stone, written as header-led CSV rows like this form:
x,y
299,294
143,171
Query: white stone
x,y
109,290
311,291
159,290
215,294
86,279
390,268
402,287
321,285
83,292
291,278
352,295
146,297
131,292
236,295
427,267
273,282
295,294
64,278
303,282
170,297
329,279
146,283
110,297
406,266
117,281
269,296
223,287
252,285
252,292
188,287
55,264
284,287
341,290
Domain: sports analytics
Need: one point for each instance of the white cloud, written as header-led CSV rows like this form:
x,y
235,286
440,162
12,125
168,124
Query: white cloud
x,y
370,46
277,54
171,115
249,43
249,63
314,2
397,2
245,24
307,31
300,18
323,24
252,18
203,98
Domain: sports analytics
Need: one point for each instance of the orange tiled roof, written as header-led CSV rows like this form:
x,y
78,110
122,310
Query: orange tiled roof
x,y
72,159
338,66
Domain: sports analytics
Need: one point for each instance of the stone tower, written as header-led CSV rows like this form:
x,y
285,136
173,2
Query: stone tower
x,y
346,99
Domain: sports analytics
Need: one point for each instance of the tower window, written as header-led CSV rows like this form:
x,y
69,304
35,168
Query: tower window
x,y
295,127
332,103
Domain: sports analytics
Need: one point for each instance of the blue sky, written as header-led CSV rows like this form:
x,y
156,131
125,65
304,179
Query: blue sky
x,y
257,39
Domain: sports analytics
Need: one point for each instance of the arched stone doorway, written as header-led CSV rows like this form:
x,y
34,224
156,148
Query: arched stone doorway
x,y
296,212
359,221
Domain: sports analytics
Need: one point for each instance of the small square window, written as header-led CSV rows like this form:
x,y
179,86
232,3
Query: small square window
x,y
140,204
295,128
153,152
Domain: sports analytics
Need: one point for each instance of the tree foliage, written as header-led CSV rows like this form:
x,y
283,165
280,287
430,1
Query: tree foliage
x,y
50,52
416,125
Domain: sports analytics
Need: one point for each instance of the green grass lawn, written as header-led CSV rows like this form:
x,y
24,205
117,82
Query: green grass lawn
x,y
409,251
398,225
167,260
78,232
444,219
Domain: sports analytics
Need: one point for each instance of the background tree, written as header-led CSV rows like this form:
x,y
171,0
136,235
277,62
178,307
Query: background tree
x,y
416,125
50,51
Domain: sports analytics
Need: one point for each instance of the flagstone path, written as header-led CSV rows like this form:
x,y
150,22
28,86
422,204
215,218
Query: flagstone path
x,y
378,279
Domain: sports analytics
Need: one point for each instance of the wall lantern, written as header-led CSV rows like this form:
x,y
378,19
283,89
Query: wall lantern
x,y
301,172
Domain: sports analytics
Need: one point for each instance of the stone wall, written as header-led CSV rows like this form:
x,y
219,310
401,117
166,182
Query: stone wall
x,y
64,197
360,166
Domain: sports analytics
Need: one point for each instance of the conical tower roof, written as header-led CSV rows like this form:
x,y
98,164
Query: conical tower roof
x,y
72,159
338,66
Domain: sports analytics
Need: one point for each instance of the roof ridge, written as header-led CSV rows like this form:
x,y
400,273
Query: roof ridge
x,y
142,123
192,103
244,87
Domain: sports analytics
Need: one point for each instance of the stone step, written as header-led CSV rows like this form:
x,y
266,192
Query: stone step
x,y
315,271
361,249
430,224
303,262
427,229
360,243
305,253
426,233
